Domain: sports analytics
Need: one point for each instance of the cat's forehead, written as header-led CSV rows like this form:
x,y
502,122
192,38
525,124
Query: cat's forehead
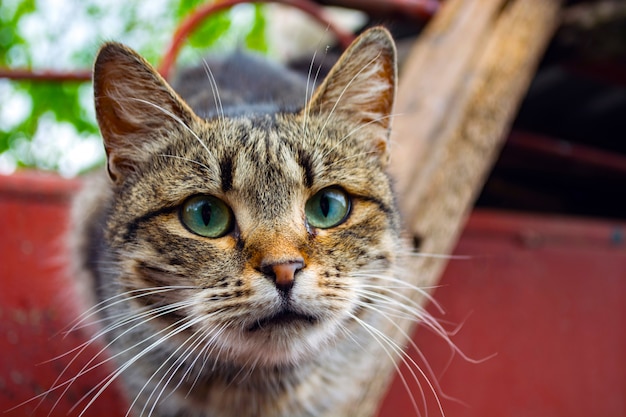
x,y
253,146
278,149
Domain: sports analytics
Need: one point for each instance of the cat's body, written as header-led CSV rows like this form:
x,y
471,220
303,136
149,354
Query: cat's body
x,y
245,264
246,83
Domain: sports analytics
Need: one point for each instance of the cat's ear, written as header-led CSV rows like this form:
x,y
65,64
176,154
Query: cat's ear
x,y
135,108
362,83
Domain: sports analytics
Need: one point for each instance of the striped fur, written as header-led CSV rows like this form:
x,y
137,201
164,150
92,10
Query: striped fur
x,y
194,325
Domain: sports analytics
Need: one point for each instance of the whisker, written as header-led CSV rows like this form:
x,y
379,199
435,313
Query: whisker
x,y
80,349
187,160
123,298
89,366
67,383
114,375
355,130
391,306
217,99
179,359
422,357
345,89
347,158
402,284
205,356
176,119
441,256
201,337
383,340
306,94
412,307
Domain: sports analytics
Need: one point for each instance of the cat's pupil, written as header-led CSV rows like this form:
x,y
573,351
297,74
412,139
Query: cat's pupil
x,y
325,205
206,214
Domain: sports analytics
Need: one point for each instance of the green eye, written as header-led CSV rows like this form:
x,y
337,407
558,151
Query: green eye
x,y
206,216
328,208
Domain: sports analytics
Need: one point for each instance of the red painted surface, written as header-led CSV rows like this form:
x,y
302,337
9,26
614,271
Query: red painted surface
x,y
37,304
546,295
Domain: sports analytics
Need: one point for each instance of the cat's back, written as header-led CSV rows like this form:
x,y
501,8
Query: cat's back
x,y
240,83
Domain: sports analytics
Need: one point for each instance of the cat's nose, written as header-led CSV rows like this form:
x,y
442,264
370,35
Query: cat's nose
x,y
283,274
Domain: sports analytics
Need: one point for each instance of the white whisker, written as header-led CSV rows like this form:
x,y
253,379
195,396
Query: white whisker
x,y
383,340
306,95
202,338
81,348
89,366
187,160
122,298
206,352
401,284
355,130
107,382
180,359
345,89
217,99
176,119
347,158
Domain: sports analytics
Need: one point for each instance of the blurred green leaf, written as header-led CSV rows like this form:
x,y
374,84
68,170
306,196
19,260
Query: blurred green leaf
x,y
210,31
256,39
9,20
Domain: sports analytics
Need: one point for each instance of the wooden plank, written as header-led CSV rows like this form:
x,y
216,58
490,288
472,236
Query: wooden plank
x,y
442,188
434,80
459,91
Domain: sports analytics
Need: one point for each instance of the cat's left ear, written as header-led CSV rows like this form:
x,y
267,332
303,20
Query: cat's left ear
x,y
362,84
136,109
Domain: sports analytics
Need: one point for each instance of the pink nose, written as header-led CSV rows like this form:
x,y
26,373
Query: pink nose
x,y
283,273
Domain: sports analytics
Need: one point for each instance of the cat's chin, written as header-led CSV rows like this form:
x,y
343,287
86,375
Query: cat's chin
x,y
283,339
282,320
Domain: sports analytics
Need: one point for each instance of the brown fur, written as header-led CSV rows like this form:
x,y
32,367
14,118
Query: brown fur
x,y
191,316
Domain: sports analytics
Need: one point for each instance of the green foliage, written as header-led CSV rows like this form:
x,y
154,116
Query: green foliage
x,y
59,99
69,101
256,40
11,42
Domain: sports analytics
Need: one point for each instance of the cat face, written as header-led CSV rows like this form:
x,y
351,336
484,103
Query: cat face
x,y
251,238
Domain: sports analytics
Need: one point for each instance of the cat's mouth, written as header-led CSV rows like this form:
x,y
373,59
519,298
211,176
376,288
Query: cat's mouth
x,y
282,319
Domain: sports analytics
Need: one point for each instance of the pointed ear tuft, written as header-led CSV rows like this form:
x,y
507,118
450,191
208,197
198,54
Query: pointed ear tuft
x,y
362,83
135,108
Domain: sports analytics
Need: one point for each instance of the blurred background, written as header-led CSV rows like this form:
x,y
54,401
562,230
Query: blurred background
x,y
567,153
51,125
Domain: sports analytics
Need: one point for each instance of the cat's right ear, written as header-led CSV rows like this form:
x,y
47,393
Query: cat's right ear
x,y
135,108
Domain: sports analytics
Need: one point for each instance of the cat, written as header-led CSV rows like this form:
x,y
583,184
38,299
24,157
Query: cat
x,y
245,257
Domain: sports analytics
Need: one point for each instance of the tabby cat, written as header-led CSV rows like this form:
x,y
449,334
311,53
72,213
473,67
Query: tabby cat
x,y
245,257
